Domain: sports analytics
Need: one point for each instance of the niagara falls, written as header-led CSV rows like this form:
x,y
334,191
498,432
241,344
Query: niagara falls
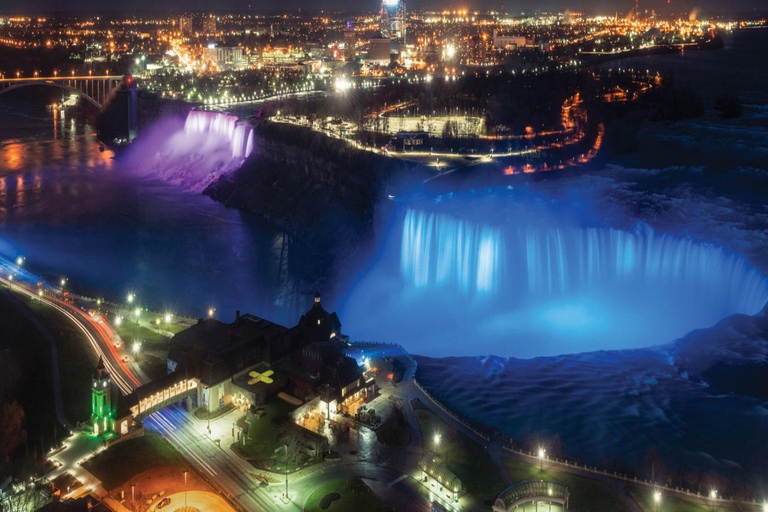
x,y
194,154
543,289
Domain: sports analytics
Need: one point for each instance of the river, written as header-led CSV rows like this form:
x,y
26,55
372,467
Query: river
x,y
76,212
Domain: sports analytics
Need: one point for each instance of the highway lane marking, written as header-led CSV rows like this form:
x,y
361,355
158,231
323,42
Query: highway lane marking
x,y
168,428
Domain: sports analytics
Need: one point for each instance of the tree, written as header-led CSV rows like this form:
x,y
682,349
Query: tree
x,y
12,432
29,499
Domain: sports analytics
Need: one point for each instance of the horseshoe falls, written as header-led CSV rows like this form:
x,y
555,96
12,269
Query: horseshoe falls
x,y
468,288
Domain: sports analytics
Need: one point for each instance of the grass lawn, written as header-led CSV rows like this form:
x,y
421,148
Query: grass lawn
x,y
264,433
130,332
118,464
394,431
465,458
586,494
176,328
355,496
77,361
644,496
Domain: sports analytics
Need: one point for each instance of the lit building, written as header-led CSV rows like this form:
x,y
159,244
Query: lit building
x,y
392,20
511,42
350,43
225,57
209,25
379,51
185,25
244,362
103,401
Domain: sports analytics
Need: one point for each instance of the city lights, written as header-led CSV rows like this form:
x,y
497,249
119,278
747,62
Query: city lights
x,y
547,206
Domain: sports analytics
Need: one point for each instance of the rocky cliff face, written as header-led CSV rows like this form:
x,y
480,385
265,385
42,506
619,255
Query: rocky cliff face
x,y
320,191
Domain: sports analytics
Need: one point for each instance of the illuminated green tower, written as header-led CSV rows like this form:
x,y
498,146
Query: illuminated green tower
x,y
102,403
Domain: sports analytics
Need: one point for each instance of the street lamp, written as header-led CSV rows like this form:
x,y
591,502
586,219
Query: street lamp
x,y
118,321
542,452
133,497
20,261
130,298
136,347
712,497
285,446
437,443
657,499
185,490
211,311
63,281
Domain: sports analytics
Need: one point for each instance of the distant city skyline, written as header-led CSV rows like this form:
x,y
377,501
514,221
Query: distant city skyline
x,y
590,6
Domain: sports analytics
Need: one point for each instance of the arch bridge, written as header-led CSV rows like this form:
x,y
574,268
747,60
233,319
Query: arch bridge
x,y
552,495
94,89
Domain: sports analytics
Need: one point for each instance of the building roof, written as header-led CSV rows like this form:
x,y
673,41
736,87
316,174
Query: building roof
x,y
525,491
132,399
440,473
214,351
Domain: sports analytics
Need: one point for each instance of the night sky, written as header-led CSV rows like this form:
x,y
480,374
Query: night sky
x,y
592,6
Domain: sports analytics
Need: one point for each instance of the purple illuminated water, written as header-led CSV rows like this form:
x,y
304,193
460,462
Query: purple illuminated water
x,y
195,153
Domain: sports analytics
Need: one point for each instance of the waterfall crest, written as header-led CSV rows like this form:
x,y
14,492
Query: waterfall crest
x,y
195,154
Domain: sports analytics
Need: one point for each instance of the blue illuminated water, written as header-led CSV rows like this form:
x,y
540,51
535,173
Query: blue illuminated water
x,y
532,290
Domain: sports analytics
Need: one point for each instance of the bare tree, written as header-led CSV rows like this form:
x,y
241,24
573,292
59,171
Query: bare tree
x,y
31,498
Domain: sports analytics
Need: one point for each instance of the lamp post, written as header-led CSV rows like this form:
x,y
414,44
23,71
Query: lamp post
x,y
285,446
133,497
185,490
542,452
656,500
437,444
712,497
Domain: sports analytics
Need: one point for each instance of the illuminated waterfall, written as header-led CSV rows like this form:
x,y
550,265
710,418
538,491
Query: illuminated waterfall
x,y
221,125
195,154
438,250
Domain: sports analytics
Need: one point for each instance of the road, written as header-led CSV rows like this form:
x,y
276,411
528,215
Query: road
x,y
98,334
232,477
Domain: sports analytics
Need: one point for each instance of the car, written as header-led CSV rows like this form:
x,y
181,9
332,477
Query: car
x,y
126,359
164,503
